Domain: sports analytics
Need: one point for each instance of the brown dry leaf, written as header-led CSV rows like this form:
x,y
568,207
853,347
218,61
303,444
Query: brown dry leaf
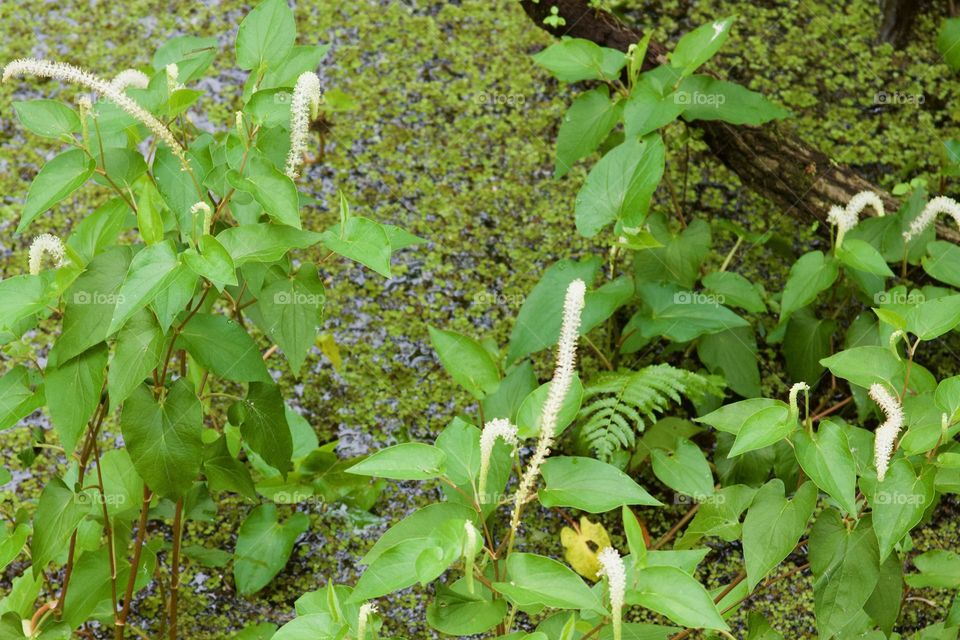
x,y
580,549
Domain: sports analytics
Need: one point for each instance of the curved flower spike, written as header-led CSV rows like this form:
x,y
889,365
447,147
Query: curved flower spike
x,y
886,433
130,78
611,566
940,204
499,428
847,218
306,99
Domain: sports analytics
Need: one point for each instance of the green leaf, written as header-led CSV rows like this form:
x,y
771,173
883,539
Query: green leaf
x,y
265,35
825,457
417,528
73,393
264,241
589,485
586,124
648,109
212,262
620,186
264,425
139,350
718,515
151,270
19,397
858,254
538,580
264,546
273,190
730,418
732,354
222,346
58,513
933,318
362,240
938,568
575,59
684,469
191,54
226,473
735,289
899,502
773,527
456,612
679,260
683,316
948,42
466,361
531,411
811,274
150,206
806,342
48,118
407,461
163,437
845,566
675,594
292,310
864,366
538,322
699,45
708,98
56,180
883,607
943,262
764,428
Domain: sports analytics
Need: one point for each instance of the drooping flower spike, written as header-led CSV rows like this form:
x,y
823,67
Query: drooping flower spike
x,y
305,101
75,75
940,204
611,566
499,428
366,610
794,392
207,215
886,434
562,379
46,245
846,218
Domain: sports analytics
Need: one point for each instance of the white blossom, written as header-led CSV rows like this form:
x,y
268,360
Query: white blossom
x,y
365,610
940,204
207,215
794,392
45,244
69,73
173,77
846,218
306,99
499,428
886,434
562,379
611,566
130,78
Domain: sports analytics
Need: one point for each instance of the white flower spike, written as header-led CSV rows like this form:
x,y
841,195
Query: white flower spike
x,y
562,379
847,218
611,566
130,78
940,204
69,73
46,244
499,428
305,102
886,434
365,610
207,215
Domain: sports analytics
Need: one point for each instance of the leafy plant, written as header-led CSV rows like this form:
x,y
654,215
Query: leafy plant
x,y
158,306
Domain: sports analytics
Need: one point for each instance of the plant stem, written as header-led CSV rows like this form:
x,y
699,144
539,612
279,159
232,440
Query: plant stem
x,y
175,568
673,531
108,530
135,564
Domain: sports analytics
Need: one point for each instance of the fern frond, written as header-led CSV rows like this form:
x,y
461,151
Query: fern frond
x,y
618,405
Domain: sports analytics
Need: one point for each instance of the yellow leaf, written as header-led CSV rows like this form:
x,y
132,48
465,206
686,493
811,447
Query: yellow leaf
x,y
330,349
580,548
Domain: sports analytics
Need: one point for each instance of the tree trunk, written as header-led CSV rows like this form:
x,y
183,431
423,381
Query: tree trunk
x,y
898,19
768,159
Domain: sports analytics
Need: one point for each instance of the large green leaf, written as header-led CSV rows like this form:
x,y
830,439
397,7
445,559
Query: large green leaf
x,y
620,185
864,366
226,473
466,361
457,612
576,59
933,318
48,118
586,124
20,395
264,425
152,269
538,580
211,261
807,341
731,417
811,274
709,98
139,349
291,310
763,429
948,42
899,502
363,240
58,513
222,346
163,437
266,35
589,485
825,457
732,354
264,546
675,594
73,393
699,45
845,564
407,461
275,192
773,527
264,241
56,180
684,469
